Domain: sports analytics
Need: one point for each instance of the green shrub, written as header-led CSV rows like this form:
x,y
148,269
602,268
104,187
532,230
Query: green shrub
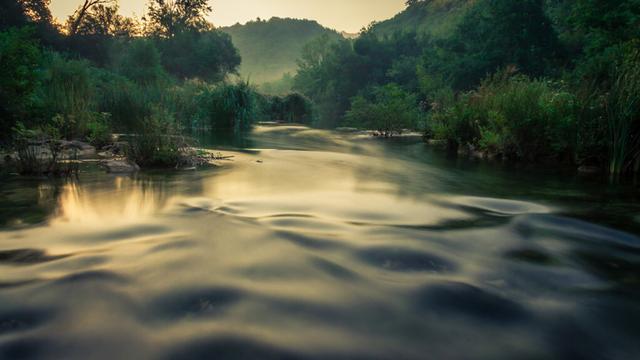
x,y
455,123
99,130
158,142
514,116
388,110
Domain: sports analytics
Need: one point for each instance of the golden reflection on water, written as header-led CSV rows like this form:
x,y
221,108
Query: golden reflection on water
x,y
125,200
338,187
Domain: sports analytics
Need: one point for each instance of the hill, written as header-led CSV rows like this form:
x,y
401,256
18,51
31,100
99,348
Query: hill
x,y
437,18
269,49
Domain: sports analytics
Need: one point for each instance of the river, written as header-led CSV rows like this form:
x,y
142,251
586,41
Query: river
x,y
322,245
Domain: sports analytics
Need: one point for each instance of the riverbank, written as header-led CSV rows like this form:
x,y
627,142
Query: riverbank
x,y
39,158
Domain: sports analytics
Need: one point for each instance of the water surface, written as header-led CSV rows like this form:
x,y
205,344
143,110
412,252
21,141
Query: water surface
x,y
312,244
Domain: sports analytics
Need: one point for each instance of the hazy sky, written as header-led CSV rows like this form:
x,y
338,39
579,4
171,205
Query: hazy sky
x,y
342,15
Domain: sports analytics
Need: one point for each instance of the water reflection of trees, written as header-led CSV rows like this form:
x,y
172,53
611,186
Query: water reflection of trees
x,y
92,198
120,199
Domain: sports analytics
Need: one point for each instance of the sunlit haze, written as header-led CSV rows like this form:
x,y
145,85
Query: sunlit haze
x,y
341,15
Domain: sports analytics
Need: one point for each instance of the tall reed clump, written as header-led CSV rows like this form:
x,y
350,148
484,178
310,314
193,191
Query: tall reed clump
x,y
69,93
127,103
185,102
622,104
229,106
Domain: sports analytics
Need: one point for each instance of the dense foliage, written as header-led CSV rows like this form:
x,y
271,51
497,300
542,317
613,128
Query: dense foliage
x,y
20,59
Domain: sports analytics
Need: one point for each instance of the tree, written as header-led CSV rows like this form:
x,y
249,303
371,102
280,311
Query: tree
x,y
389,110
139,61
606,23
18,13
208,55
34,13
492,35
331,73
168,18
76,19
37,10
105,21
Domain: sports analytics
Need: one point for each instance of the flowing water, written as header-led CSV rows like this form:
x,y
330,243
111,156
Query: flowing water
x,y
312,244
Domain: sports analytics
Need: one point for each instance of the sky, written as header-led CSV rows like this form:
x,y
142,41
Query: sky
x,y
341,15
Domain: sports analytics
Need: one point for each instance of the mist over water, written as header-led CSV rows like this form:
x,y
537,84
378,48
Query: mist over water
x,y
316,244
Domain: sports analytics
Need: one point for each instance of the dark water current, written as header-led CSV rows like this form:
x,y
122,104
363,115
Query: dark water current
x,y
317,245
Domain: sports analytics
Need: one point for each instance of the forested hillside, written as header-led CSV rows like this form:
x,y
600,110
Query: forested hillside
x,y
437,18
269,49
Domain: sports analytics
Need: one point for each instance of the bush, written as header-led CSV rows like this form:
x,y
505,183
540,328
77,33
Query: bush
x,y
99,130
158,142
389,110
513,116
455,123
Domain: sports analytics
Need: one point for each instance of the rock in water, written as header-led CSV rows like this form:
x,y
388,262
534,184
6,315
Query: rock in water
x,y
81,149
120,166
585,169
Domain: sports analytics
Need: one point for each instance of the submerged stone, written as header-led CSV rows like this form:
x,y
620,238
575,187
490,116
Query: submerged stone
x,y
120,166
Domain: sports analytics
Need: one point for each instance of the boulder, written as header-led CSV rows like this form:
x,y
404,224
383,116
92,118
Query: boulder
x,y
437,143
81,149
117,148
120,166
